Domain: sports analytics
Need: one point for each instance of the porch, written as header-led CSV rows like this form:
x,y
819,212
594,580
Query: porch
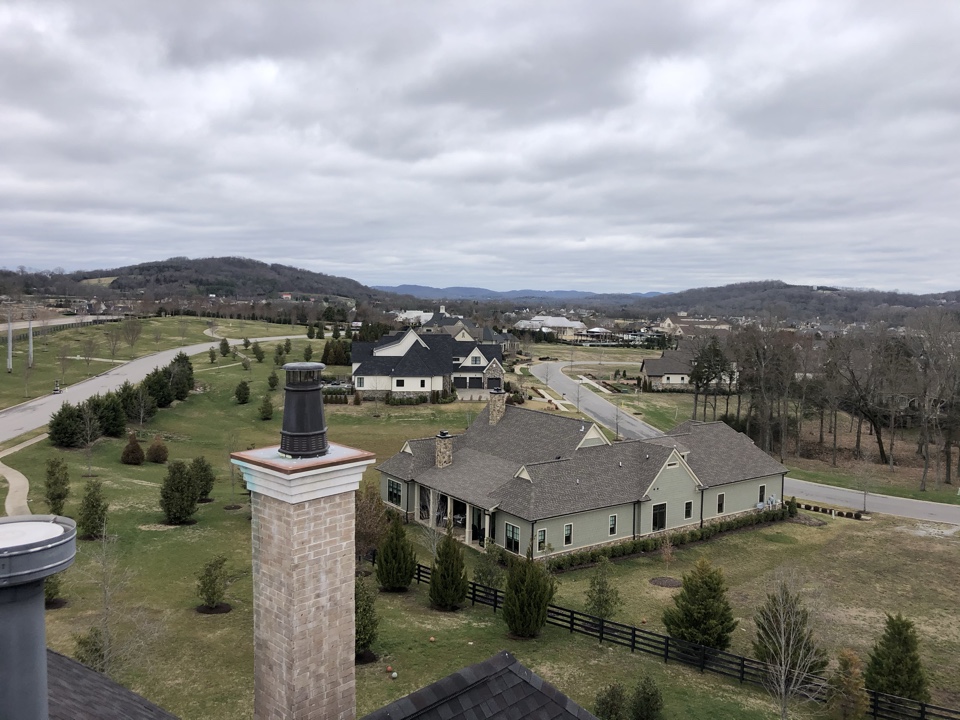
x,y
471,523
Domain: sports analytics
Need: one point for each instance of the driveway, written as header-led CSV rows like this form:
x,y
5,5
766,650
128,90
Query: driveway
x,y
591,404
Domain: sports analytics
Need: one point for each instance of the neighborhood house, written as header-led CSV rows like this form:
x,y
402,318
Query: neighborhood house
x,y
529,478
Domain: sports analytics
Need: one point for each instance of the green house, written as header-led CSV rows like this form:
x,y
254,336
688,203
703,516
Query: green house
x,y
527,478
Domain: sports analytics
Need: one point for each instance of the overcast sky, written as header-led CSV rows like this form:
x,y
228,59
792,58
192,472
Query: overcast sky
x,y
597,145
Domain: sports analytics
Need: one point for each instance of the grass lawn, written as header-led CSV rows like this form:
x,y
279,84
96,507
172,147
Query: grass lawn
x,y
200,666
157,334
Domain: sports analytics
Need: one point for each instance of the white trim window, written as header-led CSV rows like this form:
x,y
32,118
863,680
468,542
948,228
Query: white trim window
x,y
720,501
612,526
394,492
399,383
358,382
511,540
763,494
542,540
568,534
688,510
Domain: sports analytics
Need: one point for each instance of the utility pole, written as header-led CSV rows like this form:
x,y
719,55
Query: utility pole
x,y
30,336
9,339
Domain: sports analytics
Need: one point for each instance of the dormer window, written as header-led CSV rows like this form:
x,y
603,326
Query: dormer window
x,y
475,360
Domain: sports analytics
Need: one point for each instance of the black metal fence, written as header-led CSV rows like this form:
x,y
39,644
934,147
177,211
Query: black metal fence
x,y
718,662
39,330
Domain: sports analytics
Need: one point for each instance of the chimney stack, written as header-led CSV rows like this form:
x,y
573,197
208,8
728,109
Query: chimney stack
x,y
497,405
32,547
302,499
444,449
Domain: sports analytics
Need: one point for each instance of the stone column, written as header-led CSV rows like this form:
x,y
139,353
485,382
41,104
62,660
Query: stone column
x,y
303,581
468,525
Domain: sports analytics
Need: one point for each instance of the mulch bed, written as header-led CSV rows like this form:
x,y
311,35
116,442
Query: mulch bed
x,y
667,582
803,519
220,609
204,501
365,657
55,604
232,507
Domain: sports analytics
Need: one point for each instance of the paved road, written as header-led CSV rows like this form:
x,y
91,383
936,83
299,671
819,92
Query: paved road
x,y
886,504
36,413
598,408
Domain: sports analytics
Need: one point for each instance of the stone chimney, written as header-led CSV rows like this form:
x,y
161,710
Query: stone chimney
x,y
302,499
444,449
497,405
32,547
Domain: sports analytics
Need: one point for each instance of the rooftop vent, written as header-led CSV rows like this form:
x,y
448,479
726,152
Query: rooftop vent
x,y
304,433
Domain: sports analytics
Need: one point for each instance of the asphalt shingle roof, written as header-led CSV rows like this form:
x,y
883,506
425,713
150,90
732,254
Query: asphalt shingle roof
x,y
500,688
431,361
720,455
78,693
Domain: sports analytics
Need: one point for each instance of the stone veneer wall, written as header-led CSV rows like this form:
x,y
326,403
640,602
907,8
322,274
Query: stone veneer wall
x,y
444,451
303,615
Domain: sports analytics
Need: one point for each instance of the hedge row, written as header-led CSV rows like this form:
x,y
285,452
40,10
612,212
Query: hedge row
x,y
839,513
630,547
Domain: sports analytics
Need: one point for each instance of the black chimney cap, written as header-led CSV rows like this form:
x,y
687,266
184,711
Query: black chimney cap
x,y
304,433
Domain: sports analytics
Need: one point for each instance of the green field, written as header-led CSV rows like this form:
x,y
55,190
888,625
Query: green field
x,y
200,666
62,356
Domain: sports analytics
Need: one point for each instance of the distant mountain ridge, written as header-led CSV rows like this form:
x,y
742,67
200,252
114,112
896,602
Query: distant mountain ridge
x,y
426,292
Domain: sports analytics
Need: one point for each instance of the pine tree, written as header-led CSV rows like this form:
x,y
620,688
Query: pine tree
x,y
212,582
366,619
307,352
611,703
156,451
224,347
203,477
530,588
848,700
66,427
52,587
894,666
178,496
396,560
56,488
310,332
93,511
603,598
448,578
266,408
646,702
158,384
212,355
257,352
287,346
242,393
132,452
320,331
273,380
110,414
246,343
325,357
701,612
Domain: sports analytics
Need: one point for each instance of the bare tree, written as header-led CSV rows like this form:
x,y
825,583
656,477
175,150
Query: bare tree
x,y
114,334
157,335
182,326
786,644
131,328
88,349
431,536
371,518
89,432
63,359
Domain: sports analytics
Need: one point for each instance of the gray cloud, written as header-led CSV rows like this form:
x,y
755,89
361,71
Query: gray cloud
x,y
614,147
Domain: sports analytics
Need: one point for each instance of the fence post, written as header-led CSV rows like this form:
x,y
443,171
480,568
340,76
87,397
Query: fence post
x,y
666,649
703,658
496,599
633,638
601,631
742,668
571,620
923,711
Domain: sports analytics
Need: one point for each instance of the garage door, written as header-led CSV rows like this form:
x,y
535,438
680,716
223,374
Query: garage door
x,y
459,382
493,383
476,382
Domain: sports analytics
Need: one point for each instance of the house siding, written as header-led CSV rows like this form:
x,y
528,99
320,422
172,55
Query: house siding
x,y
674,486
589,528
405,489
739,496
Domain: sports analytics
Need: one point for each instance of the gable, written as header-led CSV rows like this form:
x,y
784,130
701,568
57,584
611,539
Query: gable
x,y
592,437
400,346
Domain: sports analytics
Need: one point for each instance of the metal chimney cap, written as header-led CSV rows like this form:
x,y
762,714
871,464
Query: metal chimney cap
x,y
35,546
498,391
443,434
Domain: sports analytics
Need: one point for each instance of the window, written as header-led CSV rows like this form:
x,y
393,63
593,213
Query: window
x,y
687,510
613,524
763,494
423,383
541,540
512,538
393,492
568,534
399,383
475,360
720,504
659,517
672,464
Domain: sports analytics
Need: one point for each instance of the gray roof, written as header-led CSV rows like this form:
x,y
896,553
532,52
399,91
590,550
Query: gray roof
x,y
671,362
720,455
78,693
436,359
500,688
595,477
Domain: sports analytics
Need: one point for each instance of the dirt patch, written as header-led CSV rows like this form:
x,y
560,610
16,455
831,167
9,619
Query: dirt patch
x,y
365,657
934,530
156,526
666,582
219,609
809,520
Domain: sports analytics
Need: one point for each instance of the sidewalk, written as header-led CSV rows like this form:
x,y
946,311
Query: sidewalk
x,y
19,486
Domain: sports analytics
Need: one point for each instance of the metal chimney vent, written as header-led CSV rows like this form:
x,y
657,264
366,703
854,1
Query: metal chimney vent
x,y
304,433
